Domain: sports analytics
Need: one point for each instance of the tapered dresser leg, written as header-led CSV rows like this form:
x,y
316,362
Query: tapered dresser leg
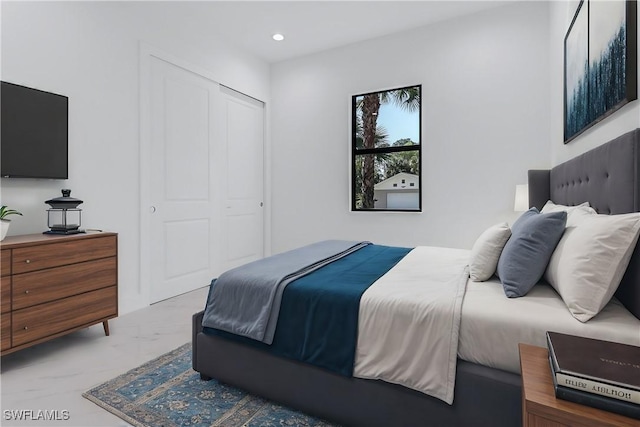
x,y
105,325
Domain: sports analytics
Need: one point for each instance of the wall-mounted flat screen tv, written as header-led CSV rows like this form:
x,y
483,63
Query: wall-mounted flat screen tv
x,y
34,127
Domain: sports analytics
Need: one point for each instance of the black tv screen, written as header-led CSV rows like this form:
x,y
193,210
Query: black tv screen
x,y
34,127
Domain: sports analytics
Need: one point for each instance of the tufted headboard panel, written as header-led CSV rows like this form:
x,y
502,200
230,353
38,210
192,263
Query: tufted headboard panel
x,y
608,177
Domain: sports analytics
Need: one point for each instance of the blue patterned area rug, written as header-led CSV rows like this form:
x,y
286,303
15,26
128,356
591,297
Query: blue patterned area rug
x,y
168,392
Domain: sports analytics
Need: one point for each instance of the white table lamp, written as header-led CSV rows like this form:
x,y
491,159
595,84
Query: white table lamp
x,y
522,198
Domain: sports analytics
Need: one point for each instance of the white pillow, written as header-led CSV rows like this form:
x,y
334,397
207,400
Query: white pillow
x,y
486,252
552,207
582,207
590,260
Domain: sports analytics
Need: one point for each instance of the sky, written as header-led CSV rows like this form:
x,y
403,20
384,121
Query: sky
x,y
399,123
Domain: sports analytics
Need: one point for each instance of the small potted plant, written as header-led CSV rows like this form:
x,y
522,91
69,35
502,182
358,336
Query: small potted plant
x,y
4,222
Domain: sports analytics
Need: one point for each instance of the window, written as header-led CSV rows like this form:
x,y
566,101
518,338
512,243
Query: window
x,y
386,161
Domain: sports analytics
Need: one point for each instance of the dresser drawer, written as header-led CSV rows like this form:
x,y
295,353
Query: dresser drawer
x,y
5,262
74,251
5,332
5,294
40,321
41,286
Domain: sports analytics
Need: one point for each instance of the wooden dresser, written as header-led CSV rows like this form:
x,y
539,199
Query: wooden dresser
x,y
52,285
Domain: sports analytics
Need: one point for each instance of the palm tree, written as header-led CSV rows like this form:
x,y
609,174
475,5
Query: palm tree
x,y
381,138
405,98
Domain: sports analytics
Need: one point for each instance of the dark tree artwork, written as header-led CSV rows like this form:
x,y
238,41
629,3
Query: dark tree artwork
x,y
600,65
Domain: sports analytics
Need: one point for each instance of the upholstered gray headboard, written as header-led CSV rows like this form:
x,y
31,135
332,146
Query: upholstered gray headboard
x,y
608,177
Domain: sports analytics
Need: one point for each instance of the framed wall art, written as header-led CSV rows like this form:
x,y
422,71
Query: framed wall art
x,y
600,63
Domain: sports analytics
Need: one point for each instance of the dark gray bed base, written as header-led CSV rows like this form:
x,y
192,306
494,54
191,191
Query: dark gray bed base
x,y
483,396
607,177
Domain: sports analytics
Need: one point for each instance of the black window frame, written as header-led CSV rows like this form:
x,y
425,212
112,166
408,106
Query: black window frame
x,y
383,150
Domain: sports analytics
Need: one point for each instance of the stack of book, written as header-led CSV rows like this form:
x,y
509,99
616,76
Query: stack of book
x,y
601,374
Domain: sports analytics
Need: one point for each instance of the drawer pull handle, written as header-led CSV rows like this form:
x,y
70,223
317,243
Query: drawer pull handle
x,y
26,292
26,327
28,261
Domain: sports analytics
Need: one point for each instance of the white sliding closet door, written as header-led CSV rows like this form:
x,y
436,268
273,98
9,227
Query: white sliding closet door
x,y
183,187
242,145
202,182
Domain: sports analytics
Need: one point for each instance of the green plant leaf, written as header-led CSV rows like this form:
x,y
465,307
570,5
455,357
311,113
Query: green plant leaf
x,y
5,212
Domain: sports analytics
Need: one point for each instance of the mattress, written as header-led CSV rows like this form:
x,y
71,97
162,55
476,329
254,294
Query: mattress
x,y
492,325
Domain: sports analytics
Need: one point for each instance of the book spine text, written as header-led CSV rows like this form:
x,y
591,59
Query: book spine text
x,y
590,386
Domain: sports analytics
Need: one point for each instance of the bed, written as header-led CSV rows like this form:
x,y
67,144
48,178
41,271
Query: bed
x,y
487,392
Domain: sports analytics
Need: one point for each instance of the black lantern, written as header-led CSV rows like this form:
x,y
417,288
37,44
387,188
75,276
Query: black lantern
x,y
64,217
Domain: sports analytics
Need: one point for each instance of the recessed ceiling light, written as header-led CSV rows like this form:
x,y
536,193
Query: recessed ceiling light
x,y
278,37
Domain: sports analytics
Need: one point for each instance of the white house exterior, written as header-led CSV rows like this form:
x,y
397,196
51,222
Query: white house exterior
x,y
401,191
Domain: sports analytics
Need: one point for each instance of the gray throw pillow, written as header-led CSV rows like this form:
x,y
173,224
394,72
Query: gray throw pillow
x,y
534,237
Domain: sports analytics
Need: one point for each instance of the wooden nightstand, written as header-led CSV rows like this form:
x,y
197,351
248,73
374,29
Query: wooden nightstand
x,y
540,408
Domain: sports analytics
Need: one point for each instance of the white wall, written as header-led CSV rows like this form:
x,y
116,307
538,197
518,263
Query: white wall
x,y
89,52
623,120
485,122
492,108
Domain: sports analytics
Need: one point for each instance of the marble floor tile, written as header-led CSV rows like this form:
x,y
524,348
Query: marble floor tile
x,y
53,375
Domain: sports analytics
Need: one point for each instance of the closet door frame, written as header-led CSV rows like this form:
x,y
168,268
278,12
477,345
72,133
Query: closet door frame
x,y
146,53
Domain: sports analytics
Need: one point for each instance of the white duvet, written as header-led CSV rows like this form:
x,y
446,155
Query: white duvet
x,y
409,322
424,312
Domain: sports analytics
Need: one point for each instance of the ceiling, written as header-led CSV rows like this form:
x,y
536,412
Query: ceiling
x,y
309,26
